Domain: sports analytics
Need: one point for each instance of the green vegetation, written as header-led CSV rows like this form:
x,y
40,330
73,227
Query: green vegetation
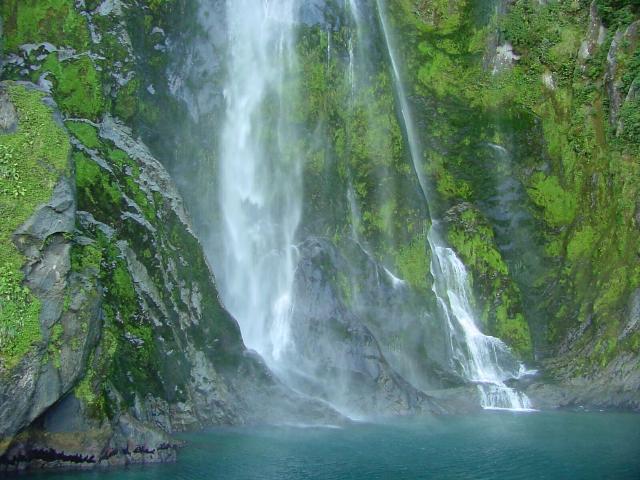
x,y
599,239
502,313
76,81
55,344
89,390
85,133
579,169
558,205
95,184
413,263
363,154
36,21
31,162
618,12
77,86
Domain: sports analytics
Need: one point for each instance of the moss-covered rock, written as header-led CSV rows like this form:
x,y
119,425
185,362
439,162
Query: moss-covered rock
x,y
472,237
571,70
130,341
43,348
32,160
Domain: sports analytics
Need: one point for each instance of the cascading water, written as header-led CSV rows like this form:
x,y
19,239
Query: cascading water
x,y
259,221
261,198
480,358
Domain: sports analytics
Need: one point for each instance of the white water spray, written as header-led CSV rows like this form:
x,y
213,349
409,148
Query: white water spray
x,y
259,222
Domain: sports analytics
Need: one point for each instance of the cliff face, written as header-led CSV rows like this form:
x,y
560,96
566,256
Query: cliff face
x,y
527,113
531,113
112,335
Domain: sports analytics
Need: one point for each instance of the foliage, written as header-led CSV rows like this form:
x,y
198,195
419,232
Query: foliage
x,y
31,162
85,133
558,205
36,21
356,145
77,85
590,222
413,263
618,12
473,238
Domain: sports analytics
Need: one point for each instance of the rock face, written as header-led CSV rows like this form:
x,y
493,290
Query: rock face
x,y
625,41
330,341
135,342
145,348
8,115
537,184
49,371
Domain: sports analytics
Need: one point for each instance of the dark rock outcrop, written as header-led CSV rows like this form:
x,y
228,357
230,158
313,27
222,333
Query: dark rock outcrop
x,y
337,355
147,348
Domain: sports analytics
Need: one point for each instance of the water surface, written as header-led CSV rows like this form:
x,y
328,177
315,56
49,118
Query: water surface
x,y
491,445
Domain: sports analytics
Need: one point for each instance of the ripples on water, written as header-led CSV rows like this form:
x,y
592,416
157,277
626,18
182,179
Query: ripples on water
x,y
492,445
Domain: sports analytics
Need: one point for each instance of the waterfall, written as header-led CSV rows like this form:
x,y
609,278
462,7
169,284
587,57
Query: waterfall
x,y
260,193
259,222
480,358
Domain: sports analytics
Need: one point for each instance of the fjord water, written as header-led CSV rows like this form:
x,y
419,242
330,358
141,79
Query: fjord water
x,y
488,446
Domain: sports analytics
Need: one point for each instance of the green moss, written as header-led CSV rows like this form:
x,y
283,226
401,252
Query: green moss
x,y
31,162
55,344
412,262
630,119
36,21
122,285
95,185
90,392
126,102
77,85
135,192
121,159
513,329
612,289
19,319
557,204
583,244
85,257
447,184
105,189
87,134
473,239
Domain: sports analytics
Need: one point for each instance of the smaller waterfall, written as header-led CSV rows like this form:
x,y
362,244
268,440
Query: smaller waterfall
x,y
483,359
480,358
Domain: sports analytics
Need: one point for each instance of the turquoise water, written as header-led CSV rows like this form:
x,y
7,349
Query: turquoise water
x,y
491,445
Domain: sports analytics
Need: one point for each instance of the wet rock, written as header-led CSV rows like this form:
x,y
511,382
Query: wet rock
x,y
49,371
504,58
338,357
8,114
624,41
153,176
595,37
110,7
